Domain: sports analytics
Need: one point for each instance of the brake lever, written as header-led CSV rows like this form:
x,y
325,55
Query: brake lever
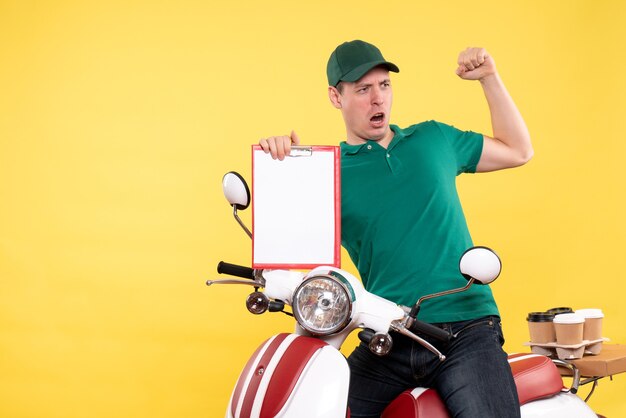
x,y
399,328
254,283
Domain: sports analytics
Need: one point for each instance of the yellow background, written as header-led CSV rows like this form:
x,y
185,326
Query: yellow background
x,y
119,118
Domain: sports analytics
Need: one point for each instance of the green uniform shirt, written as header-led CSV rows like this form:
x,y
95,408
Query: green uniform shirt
x,y
402,221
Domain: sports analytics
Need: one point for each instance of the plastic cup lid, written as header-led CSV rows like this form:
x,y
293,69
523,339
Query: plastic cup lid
x,y
590,313
539,317
569,318
560,310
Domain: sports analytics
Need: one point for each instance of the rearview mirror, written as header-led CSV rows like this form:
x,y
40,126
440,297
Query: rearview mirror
x,y
236,190
481,264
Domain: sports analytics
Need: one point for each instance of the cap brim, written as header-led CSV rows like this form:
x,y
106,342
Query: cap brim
x,y
362,69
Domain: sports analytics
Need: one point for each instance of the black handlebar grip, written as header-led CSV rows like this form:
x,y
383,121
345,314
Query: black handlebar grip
x,y
235,270
420,327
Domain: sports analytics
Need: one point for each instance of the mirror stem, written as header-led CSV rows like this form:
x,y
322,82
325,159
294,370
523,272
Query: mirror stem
x,y
245,228
415,310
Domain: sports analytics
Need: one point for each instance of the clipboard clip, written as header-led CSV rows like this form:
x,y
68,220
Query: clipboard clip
x,y
301,151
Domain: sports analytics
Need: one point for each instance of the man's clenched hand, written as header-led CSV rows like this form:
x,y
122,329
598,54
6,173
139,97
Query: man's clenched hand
x,y
475,64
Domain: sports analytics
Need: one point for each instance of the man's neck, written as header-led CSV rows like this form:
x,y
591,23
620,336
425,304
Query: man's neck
x,y
383,142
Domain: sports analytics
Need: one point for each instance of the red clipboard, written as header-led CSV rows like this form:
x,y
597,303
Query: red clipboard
x,y
296,208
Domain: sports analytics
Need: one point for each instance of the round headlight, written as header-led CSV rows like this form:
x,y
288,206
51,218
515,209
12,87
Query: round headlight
x,y
322,305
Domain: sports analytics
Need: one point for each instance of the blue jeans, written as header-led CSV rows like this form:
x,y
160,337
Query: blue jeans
x,y
474,381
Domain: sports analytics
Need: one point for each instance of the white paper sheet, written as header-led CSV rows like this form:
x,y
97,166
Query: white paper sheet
x,y
295,209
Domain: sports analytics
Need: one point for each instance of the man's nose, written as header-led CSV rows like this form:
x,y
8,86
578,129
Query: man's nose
x,y
377,96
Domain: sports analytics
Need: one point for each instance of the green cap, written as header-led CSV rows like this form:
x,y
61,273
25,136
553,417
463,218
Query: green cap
x,y
352,60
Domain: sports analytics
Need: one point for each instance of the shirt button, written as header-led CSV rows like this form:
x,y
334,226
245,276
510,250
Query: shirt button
x,y
388,155
369,147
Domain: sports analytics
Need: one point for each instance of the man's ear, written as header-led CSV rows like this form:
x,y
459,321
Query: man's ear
x,y
334,96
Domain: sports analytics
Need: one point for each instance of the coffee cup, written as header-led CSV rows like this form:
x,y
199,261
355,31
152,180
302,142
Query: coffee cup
x,y
569,328
540,327
593,323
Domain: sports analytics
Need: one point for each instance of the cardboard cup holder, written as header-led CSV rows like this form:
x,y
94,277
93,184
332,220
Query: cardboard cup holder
x,y
565,333
567,351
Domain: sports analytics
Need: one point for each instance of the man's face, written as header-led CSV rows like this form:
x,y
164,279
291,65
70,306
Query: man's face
x,y
366,106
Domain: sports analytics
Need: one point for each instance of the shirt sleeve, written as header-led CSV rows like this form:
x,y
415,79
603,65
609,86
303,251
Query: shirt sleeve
x,y
467,147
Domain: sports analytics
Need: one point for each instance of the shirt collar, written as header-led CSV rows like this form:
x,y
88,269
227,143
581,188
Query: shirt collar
x,y
347,149
398,135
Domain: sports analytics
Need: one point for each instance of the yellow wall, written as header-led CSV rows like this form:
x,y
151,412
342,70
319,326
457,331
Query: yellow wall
x,y
118,119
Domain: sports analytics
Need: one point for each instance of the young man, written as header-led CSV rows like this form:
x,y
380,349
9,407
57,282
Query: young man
x,y
404,228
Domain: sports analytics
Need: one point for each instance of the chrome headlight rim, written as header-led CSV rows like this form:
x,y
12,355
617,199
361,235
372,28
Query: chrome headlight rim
x,y
337,328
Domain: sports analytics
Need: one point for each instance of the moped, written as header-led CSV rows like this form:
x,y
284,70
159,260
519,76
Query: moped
x,y
303,373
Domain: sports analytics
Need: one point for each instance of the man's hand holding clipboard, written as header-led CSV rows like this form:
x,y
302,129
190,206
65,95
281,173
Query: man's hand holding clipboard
x,y
279,146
